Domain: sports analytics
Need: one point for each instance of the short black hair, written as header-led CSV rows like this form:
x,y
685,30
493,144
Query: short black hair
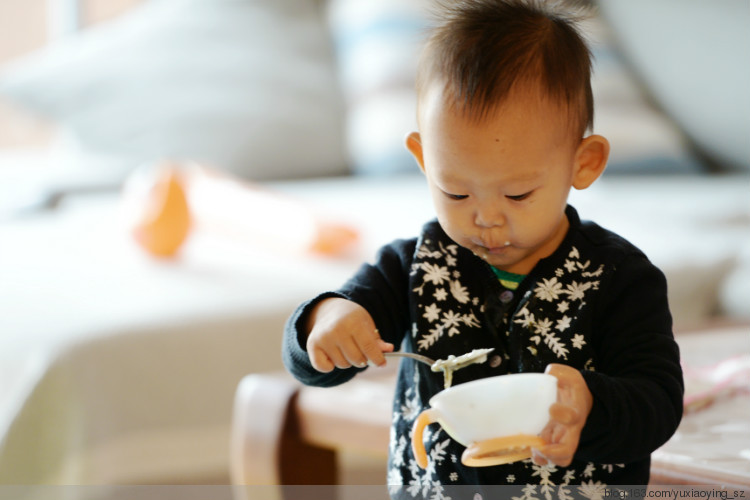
x,y
483,49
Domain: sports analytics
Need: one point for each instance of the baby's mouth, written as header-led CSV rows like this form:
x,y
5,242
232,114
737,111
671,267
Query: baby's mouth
x,y
492,245
499,250
485,251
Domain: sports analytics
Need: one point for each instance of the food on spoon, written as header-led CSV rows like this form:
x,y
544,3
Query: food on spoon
x,y
453,363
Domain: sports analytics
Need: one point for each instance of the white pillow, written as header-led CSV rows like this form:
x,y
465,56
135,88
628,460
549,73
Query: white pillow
x,y
692,56
378,44
245,85
643,140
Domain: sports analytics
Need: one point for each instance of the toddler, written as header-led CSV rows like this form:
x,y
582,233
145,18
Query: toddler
x,y
504,111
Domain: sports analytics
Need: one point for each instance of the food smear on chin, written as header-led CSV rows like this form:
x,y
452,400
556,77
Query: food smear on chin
x,y
453,363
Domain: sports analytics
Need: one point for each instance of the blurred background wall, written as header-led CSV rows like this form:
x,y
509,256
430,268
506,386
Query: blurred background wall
x,y
25,25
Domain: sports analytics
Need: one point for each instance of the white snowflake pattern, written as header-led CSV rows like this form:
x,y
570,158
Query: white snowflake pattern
x,y
610,467
432,313
395,480
425,252
438,492
411,409
544,473
459,292
589,470
529,493
451,322
563,323
577,291
578,341
437,453
415,483
393,442
563,306
570,474
430,338
525,318
398,451
594,274
563,493
549,289
438,274
592,490
449,249
471,320
435,274
556,345
543,326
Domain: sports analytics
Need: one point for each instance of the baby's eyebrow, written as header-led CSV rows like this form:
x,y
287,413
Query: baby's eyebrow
x,y
530,176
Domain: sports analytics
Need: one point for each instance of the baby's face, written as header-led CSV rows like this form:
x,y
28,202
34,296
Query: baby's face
x,y
499,186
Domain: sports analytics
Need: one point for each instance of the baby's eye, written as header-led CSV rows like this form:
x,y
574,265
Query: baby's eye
x,y
456,196
519,197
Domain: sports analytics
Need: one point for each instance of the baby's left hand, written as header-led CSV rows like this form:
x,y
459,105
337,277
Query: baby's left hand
x,y
567,417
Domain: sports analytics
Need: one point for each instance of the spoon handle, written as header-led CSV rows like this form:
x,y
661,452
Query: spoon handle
x,y
418,357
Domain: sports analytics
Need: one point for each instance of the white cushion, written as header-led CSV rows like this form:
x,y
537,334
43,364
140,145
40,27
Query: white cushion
x,y
378,44
642,138
692,56
245,85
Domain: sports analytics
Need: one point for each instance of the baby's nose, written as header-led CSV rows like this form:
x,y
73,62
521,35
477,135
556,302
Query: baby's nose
x,y
489,215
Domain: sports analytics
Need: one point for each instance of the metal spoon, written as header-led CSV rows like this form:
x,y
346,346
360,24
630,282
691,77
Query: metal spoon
x,y
418,357
463,360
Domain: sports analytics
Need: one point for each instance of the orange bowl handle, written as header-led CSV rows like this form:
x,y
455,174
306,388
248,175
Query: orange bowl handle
x,y
424,419
503,450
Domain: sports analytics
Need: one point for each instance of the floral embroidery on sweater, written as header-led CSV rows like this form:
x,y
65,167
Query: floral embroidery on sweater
x,y
450,309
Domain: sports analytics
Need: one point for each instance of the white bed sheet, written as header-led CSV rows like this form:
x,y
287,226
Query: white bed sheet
x,y
118,368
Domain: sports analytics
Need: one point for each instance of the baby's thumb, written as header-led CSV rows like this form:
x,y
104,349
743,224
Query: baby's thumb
x,y
385,346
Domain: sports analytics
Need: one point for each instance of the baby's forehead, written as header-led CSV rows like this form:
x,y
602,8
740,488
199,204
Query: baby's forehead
x,y
524,102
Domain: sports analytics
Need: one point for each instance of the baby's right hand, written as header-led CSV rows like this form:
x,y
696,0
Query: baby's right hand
x,y
342,334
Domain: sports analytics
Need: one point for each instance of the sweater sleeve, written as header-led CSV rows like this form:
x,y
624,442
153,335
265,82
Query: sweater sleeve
x,y
381,288
638,386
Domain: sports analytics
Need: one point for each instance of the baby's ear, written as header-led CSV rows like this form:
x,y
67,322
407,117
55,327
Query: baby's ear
x,y
414,145
591,160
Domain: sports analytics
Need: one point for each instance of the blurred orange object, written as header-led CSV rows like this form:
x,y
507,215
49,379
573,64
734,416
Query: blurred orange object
x,y
164,202
253,213
157,209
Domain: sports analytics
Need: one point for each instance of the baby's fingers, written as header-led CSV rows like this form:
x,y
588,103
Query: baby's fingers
x,y
560,454
373,347
320,360
564,414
